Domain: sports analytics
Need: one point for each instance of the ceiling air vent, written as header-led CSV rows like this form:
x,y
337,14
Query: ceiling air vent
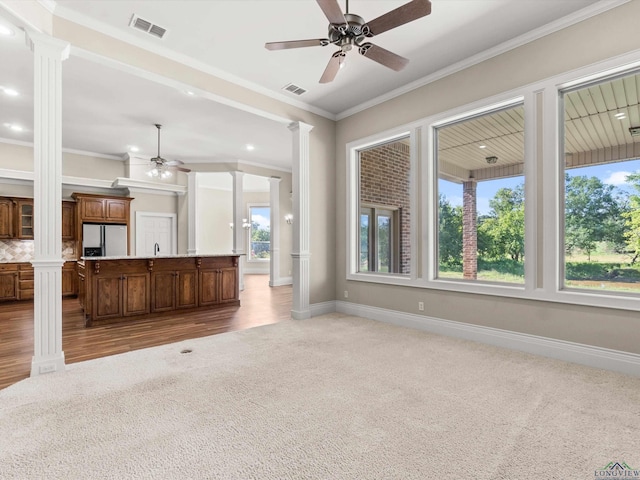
x,y
146,26
295,89
634,131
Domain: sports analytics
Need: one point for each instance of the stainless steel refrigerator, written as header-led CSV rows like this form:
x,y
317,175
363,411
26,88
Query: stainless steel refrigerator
x,y
104,240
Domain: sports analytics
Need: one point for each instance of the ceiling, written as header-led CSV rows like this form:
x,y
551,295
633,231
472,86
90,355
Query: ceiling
x,y
106,108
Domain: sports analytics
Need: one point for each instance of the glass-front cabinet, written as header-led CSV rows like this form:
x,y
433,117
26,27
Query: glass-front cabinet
x,y
25,219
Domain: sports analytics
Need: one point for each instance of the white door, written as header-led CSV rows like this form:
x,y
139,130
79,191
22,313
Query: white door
x,y
155,234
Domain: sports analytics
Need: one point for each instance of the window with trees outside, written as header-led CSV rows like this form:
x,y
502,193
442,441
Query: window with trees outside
x,y
384,222
481,221
602,185
259,233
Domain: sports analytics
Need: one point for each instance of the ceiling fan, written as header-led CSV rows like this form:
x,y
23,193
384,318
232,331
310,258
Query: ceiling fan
x,y
160,166
348,30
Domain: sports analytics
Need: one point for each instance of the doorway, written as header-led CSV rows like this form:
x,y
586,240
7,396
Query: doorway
x,y
156,234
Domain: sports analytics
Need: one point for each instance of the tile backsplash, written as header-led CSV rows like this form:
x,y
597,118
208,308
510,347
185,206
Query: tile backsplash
x,y
22,250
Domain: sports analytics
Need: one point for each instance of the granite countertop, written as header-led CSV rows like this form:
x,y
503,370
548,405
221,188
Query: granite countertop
x,y
151,257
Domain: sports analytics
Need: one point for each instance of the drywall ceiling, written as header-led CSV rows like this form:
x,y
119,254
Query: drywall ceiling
x,y
107,109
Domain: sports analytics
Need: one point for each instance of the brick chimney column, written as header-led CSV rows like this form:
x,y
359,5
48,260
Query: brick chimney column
x,y
469,231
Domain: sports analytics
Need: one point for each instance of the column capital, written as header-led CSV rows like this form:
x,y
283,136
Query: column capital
x,y
236,173
48,45
303,127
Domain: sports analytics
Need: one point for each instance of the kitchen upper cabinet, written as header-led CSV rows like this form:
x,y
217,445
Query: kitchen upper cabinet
x,y
7,206
101,209
68,221
24,218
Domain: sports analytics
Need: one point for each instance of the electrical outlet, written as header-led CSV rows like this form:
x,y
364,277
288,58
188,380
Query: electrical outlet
x,y
346,294
421,306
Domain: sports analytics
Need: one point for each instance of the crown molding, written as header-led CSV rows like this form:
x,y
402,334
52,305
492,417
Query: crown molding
x,y
149,187
237,163
557,25
49,5
163,51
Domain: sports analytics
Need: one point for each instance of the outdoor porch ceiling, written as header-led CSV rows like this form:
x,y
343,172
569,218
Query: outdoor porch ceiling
x,y
597,122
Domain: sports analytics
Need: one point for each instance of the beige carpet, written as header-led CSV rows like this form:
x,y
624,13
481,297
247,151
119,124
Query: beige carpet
x,y
334,397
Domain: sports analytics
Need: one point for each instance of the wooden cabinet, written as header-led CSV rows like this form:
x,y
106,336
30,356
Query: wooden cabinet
x,y
218,286
119,288
69,279
7,206
25,281
24,219
16,219
81,283
68,221
121,295
101,209
174,288
8,281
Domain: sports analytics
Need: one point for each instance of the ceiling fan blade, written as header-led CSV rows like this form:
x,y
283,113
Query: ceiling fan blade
x,y
316,42
333,67
332,11
182,169
173,163
383,56
406,13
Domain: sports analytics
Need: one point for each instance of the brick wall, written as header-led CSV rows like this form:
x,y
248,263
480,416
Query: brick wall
x,y
469,231
384,181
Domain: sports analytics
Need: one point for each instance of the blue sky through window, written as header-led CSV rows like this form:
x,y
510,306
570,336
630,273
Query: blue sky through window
x,y
609,173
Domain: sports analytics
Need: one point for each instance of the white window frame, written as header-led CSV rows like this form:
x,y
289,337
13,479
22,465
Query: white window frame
x,y
353,206
249,230
543,171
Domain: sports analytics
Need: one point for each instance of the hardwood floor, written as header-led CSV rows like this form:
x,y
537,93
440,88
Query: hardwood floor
x,y
260,305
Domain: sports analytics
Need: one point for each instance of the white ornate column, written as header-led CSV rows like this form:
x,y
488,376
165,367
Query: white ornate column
x,y
49,53
192,213
238,231
274,221
301,227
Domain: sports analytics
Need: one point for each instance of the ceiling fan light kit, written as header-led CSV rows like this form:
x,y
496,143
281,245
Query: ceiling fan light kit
x,y
348,30
160,167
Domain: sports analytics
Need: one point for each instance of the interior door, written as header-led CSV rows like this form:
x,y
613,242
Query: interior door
x,y
155,234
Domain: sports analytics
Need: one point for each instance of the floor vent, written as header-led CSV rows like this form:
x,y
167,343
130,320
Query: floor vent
x,y
146,26
295,89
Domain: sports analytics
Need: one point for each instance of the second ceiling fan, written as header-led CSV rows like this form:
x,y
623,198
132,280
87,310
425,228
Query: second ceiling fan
x,y
348,30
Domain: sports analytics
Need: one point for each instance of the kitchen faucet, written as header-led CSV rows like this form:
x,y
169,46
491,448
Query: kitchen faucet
x,y
156,248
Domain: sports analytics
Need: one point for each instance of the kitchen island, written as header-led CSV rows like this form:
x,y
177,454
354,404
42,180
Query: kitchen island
x,y
120,288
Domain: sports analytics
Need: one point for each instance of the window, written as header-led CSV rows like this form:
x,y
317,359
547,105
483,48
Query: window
x,y
384,222
480,168
259,233
379,237
602,186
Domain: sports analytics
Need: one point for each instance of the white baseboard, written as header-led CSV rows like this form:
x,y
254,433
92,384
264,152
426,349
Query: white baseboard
x,y
323,308
281,281
615,360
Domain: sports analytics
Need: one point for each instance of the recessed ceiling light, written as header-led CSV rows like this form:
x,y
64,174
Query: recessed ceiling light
x,y
190,93
482,146
133,148
13,126
620,115
11,92
6,31
250,147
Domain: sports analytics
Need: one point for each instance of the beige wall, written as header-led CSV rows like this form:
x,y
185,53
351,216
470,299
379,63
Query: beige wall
x,y
215,212
607,35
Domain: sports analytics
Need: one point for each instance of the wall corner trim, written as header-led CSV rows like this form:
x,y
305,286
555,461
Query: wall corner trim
x,y
591,356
